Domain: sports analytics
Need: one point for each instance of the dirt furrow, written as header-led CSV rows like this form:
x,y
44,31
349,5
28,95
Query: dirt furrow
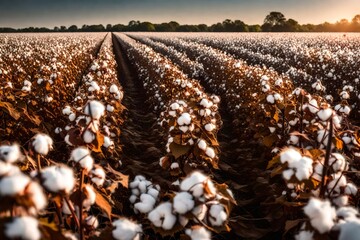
x,y
140,136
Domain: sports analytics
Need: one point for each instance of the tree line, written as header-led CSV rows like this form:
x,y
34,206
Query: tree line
x,y
273,22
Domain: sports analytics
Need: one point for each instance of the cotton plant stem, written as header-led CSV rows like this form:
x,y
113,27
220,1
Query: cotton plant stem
x,y
326,162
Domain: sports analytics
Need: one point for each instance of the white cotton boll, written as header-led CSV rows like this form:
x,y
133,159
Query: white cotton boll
x,y
303,168
341,201
198,233
184,129
88,136
325,114
153,192
42,143
349,231
313,106
172,113
133,199
321,138
146,204
109,108
72,117
210,152
183,202
184,119
58,130
14,184
23,228
217,215
272,129
40,80
195,184
304,235
337,162
162,216
92,221
35,191
67,140
210,127
215,99
338,181
95,109
107,142
82,156
200,212
97,176
294,140
48,99
174,165
270,99
287,174
351,189
90,196
126,230
321,214
278,97
58,179
114,89
10,153
8,169
202,144
142,186
174,106
290,155
65,208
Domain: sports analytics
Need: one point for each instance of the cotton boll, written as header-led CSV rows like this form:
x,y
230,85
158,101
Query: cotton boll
x,y
351,189
65,208
162,216
67,110
97,176
72,117
198,233
88,136
58,179
341,201
42,143
321,214
114,89
195,184
126,230
107,142
35,192
23,228
10,153
287,174
290,155
270,99
92,221
313,106
184,119
325,114
109,108
349,231
146,204
95,109
304,235
294,140
90,196
202,145
217,215
82,156
210,152
337,162
183,202
14,184
210,127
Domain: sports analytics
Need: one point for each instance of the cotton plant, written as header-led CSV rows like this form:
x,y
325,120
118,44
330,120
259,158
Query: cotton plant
x,y
197,199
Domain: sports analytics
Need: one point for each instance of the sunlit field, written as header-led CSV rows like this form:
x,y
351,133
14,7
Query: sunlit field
x,y
190,136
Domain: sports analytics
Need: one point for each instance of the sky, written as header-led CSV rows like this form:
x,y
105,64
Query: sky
x,y
50,13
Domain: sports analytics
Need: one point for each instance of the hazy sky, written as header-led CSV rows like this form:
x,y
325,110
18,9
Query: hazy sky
x,y
50,13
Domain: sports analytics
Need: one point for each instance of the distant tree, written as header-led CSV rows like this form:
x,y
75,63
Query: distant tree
x,y
273,22
218,27
73,28
108,27
146,27
118,28
203,28
355,23
188,28
342,26
254,28
63,29
291,25
56,29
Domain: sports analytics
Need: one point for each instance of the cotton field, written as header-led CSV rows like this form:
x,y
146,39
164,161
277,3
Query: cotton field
x,y
200,136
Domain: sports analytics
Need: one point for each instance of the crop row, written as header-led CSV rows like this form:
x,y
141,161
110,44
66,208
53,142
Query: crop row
x,y
189,118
